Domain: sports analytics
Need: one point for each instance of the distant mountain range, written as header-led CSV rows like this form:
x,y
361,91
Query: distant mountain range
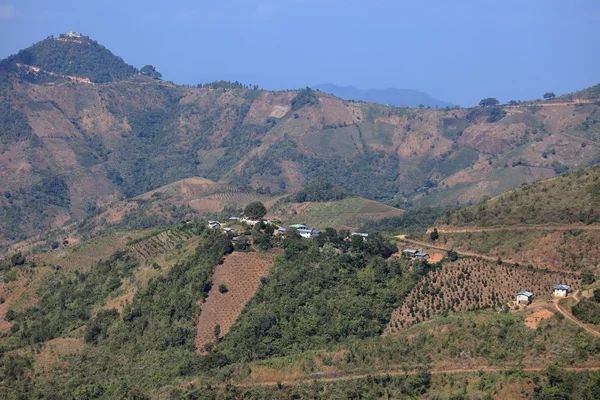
x,y
392,97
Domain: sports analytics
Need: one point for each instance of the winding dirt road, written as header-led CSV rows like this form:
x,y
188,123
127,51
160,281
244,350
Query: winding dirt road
x,y
572,318
519,228
464,253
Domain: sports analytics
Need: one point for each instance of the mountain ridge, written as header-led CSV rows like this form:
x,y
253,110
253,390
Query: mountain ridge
x,y
69,147
388,96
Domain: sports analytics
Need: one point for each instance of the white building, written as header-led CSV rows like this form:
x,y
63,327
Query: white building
x,y
524,298
308,233
561,290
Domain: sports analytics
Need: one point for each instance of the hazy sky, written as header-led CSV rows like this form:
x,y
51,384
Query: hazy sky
x,y
455,50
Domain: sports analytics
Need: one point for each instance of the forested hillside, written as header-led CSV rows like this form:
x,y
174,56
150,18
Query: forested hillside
x,y
106,133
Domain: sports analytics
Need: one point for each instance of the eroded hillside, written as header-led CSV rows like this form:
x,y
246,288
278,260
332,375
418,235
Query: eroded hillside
x,y
70,148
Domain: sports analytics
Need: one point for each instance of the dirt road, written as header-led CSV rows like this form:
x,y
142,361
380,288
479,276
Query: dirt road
x,y
519,228
572,318
464,253
324,378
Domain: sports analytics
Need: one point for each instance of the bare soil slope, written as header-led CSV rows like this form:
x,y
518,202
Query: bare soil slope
x,y
241,274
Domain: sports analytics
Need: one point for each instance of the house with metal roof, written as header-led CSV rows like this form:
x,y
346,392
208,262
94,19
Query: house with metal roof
x,y
365,235
561,290
524,298
298,226
410,252
214,224
308,233
423,256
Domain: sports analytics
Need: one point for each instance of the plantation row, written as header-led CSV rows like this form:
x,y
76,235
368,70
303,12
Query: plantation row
x,y
471,285
238,197
161,243
234,283
83,256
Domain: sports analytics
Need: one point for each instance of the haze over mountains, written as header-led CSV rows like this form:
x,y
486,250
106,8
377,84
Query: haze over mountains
x,y
389,96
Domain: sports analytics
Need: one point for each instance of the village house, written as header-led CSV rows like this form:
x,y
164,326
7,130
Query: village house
x,y
422,256
214,224
250,222
308,233
298,226
363,235
524,298
410,252
561,290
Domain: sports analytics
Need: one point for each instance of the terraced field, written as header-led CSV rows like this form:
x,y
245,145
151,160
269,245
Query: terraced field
x,y
83,256
470,285
241,274
161,243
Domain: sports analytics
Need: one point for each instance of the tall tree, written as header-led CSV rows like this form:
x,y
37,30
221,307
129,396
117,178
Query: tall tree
x,y
489,102
255,210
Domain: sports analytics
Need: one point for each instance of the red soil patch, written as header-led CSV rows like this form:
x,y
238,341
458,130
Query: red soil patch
x,y
241,273
534,319
433,258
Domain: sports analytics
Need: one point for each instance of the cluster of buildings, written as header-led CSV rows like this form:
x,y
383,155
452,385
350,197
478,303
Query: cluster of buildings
x,y
302,229
415,254
526,297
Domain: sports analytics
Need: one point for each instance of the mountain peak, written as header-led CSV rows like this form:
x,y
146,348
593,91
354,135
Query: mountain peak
x,y
72,55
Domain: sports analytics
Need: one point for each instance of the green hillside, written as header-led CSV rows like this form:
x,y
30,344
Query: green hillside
x,y
74,56
125,328
571,198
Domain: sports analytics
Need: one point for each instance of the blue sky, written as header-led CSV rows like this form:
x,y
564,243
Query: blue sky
x,y
459,51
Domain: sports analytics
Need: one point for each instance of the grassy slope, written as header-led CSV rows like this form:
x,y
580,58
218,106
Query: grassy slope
x,y
350,213
550,223
572,198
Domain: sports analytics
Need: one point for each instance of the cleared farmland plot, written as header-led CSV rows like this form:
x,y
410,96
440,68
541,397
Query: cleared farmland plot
x,y
471,285
83,256
240,273
161,243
